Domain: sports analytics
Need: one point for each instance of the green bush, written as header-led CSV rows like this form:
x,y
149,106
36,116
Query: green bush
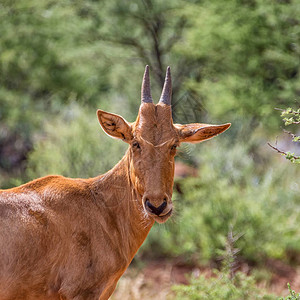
x,y
221,287
248,52
74,145
226,283
292,296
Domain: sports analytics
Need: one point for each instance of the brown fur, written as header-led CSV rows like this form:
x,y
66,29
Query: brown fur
x,y
63,238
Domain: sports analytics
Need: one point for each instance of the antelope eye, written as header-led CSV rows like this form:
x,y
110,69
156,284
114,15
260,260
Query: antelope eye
x,y
136,145
174,147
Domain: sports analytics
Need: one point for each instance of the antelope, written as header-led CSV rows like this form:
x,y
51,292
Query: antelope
x,y
64,238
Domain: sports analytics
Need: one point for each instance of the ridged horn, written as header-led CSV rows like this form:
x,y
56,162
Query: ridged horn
x,y
166,93
146,90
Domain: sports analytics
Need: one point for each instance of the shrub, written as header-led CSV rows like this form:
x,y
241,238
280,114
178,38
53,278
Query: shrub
x,y
292,296
225,284
74,145
221,287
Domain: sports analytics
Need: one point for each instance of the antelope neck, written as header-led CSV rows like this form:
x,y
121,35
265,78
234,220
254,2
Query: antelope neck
x,y
115,195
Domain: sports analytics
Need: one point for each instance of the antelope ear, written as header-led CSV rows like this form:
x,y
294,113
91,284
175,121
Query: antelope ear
x,y
115,125
196,133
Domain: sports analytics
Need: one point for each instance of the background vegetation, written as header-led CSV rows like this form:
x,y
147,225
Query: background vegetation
x,y
232,61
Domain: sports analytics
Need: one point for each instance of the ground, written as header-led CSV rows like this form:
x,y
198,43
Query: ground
x,y
155,279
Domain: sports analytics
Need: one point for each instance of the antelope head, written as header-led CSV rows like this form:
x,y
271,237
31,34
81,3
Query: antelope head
x,y
153,139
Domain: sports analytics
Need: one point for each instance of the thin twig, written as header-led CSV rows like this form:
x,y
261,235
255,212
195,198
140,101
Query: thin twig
x,y
295,112
284,153
290,133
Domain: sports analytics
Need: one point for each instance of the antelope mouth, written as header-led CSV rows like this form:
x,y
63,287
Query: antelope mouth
x,y
160,218
163,218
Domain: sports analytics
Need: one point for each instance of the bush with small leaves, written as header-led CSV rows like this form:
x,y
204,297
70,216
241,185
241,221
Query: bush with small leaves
x,y
221,286
290,116
292,296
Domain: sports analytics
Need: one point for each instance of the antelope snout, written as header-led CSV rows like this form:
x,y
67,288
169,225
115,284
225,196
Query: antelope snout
x,y
158,206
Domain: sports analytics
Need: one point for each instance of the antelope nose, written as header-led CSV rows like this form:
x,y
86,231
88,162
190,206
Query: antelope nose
x,y
156,210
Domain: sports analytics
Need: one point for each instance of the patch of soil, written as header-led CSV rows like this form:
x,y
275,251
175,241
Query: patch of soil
x,y
169,273
281,275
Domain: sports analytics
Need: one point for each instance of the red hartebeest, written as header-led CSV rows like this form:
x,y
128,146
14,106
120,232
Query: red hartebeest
x,y
63,238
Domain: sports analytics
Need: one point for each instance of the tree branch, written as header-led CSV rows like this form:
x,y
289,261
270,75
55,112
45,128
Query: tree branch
x,y
290,133
284,153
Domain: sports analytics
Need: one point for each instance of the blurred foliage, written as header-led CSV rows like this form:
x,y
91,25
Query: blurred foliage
x,y
48,57
74,146
228,283
221,287
223,284
150,31
248,56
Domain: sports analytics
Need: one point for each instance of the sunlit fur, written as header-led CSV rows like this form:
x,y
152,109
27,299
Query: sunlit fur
x,y
63,238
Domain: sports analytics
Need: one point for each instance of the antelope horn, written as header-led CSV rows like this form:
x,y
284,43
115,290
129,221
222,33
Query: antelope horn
x,y
146,91
166,93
